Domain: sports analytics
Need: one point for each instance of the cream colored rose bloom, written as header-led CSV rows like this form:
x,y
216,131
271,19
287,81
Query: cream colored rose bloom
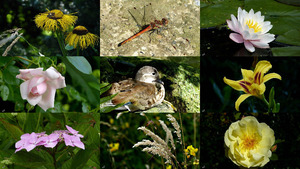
x,y
249,142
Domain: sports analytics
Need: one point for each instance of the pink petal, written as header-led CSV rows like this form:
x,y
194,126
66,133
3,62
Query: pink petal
x,y
52,73
259,44
71,130
33,100
267,38
41,88
249,46
48,97
35,81
27,74
236,38
24,89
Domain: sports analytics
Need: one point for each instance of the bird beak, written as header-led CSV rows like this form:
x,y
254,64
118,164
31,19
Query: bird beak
x,y
159,81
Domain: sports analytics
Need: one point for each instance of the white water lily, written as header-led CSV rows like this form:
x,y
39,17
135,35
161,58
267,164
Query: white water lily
x,y
251,29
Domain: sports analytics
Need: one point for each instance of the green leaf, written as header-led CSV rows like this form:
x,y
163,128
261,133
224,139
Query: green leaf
x,y
81,158
286,51
291,37
103,89
4,92
216,12
94,85
28,159
83,80
13,130
107,98
109,108
271,99
68,47
80,63
9,75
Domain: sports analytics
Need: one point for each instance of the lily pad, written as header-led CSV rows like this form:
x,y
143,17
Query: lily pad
x,y
291,37
286,51
214,13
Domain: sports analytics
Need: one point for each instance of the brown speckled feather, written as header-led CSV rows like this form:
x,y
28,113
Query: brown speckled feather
x,y
144,92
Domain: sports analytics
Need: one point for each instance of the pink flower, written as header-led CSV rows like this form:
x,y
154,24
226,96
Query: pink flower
x,y
74,132
40,86
51,140
73,141
28,142
251,29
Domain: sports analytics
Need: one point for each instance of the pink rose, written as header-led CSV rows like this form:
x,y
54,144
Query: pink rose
x,y
40,86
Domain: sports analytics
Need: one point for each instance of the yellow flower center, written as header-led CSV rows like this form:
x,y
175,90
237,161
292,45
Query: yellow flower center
x,y
80,30
254,25
55,14
249,142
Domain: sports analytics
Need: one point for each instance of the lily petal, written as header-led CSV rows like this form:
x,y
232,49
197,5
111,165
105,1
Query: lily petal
x,y
240,100
236,38
249,46
234,84
271,76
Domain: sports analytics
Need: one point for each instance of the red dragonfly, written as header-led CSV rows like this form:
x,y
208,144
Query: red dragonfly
x,y
152,26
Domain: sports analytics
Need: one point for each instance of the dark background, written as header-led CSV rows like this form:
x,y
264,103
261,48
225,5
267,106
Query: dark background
x,y
218,111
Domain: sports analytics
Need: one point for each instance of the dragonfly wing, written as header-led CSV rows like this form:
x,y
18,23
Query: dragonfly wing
x,y
137,16
148,14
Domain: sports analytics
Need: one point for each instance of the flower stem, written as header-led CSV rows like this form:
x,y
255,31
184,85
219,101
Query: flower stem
x,y
61,43
77,51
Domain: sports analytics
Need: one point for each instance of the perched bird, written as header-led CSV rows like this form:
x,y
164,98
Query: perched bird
x,y
143,92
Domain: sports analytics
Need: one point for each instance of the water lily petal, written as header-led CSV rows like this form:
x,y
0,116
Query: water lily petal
x,y
236,38
249,46
240,100
267,38
271,76
259,44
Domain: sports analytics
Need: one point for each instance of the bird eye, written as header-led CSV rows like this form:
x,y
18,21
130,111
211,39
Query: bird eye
x,y
153,73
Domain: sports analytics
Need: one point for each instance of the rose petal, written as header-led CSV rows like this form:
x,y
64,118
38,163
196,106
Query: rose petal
x,y
52,73
48,97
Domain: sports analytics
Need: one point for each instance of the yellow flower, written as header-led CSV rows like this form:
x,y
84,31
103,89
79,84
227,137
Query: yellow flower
x,y
190,150
114,147
54,20
169,167
253,83
196,162
81,37
248,142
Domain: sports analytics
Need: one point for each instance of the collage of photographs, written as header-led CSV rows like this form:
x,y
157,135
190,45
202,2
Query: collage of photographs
x,y
112,84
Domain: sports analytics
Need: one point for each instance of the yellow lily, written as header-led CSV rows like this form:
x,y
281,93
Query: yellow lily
x,y
253,83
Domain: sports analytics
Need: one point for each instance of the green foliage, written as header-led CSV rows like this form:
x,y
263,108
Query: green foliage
x,y
81,93
12,126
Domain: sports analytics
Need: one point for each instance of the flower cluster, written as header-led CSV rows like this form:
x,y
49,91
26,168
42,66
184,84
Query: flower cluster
x,y
190,151
251,29
30,141
253,83
248,142
40,86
